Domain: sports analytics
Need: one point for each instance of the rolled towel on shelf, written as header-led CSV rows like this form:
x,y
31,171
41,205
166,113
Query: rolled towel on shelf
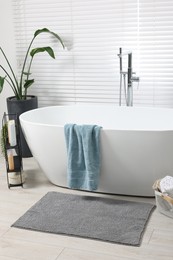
x,y
12,132
83,152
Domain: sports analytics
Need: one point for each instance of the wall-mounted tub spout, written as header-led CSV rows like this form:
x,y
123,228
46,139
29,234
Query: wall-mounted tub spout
x,y
128,88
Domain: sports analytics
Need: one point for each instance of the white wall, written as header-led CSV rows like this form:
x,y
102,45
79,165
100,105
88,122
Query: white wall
x,y
8,45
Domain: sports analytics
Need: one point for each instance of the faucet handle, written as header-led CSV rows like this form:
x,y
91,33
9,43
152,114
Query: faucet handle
x,y
135,79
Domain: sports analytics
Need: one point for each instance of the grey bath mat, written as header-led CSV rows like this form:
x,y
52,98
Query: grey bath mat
x,y
99,218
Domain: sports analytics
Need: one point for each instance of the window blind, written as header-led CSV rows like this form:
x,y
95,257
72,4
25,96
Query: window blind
x,y
93,31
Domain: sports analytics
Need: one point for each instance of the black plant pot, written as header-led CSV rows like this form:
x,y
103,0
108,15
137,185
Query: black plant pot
x,y
18,107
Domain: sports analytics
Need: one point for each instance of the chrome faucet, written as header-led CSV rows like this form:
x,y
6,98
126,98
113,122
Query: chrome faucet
x,y
128,91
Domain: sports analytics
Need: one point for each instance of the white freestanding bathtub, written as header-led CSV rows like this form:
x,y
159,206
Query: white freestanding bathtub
x,y
136,144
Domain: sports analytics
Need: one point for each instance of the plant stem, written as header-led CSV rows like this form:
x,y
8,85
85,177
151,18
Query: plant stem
x,y
28,72
17,86
15,90
24,64
29,68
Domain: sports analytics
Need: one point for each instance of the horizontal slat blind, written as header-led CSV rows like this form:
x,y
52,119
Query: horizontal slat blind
x,y
156,52
93,31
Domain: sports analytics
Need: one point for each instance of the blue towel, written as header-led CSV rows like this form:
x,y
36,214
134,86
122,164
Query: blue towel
x,y
83,152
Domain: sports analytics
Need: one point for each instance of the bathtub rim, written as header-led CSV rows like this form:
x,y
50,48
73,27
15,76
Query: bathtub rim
x,y
125,108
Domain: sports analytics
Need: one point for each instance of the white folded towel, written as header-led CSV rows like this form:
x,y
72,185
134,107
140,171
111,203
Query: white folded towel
x,y
166,185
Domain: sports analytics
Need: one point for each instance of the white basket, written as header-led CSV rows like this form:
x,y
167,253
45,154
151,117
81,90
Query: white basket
x,y
164,204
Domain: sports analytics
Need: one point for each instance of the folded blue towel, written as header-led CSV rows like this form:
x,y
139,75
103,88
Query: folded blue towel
x,y
83,152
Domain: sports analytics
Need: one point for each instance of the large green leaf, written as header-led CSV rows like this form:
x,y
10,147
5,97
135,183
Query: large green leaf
x,y
28,83
41,31
1,83
42,49
45,30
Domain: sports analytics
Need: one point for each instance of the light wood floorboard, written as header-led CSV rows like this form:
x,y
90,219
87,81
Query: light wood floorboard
x,y
157,243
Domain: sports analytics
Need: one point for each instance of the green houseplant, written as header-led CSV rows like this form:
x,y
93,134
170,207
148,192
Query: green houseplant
x,y
21,101
21,85
3,137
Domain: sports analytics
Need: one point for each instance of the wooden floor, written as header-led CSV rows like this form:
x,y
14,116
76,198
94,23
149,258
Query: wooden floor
x,y
157,243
